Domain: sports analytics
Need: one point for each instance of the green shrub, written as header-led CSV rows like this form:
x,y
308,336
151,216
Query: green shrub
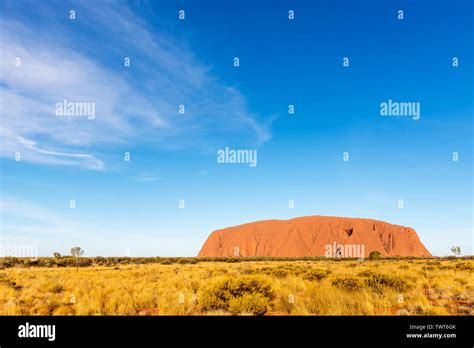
x,y
8,261
378,281
69,261
464,266
245,294
279,273
232,259
316,274
255,304
366,273
28,262
112,261
185,261
84,262
348,283
101,261
374,255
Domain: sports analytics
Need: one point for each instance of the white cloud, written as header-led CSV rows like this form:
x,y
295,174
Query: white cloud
x,y
133,105
147,178
29,151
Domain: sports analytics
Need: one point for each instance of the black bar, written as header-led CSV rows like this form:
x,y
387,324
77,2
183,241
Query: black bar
x,y
243,331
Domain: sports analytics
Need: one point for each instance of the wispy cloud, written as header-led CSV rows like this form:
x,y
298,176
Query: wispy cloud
x,y
82,61
145,177
29,151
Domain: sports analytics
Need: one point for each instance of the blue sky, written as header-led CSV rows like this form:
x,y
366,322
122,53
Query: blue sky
x,y
133,207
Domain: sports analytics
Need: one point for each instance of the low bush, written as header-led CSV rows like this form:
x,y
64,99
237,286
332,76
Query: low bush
x,y
378,281
279,273
245,294
100,261
316,274
374,255
256,304
348,284
464,266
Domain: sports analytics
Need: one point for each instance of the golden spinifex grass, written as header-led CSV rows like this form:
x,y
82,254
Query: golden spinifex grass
x,y
319,287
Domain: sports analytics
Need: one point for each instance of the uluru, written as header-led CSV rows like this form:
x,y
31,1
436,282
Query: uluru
x,y
313,236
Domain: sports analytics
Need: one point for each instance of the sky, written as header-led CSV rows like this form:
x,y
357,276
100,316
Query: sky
x,y
66,180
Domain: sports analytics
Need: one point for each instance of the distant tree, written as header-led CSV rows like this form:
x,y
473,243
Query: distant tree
x,y
456,250
57,255
77,252
374,255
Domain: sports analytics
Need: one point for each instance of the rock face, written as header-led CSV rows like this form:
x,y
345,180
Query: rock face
x,y
314,236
